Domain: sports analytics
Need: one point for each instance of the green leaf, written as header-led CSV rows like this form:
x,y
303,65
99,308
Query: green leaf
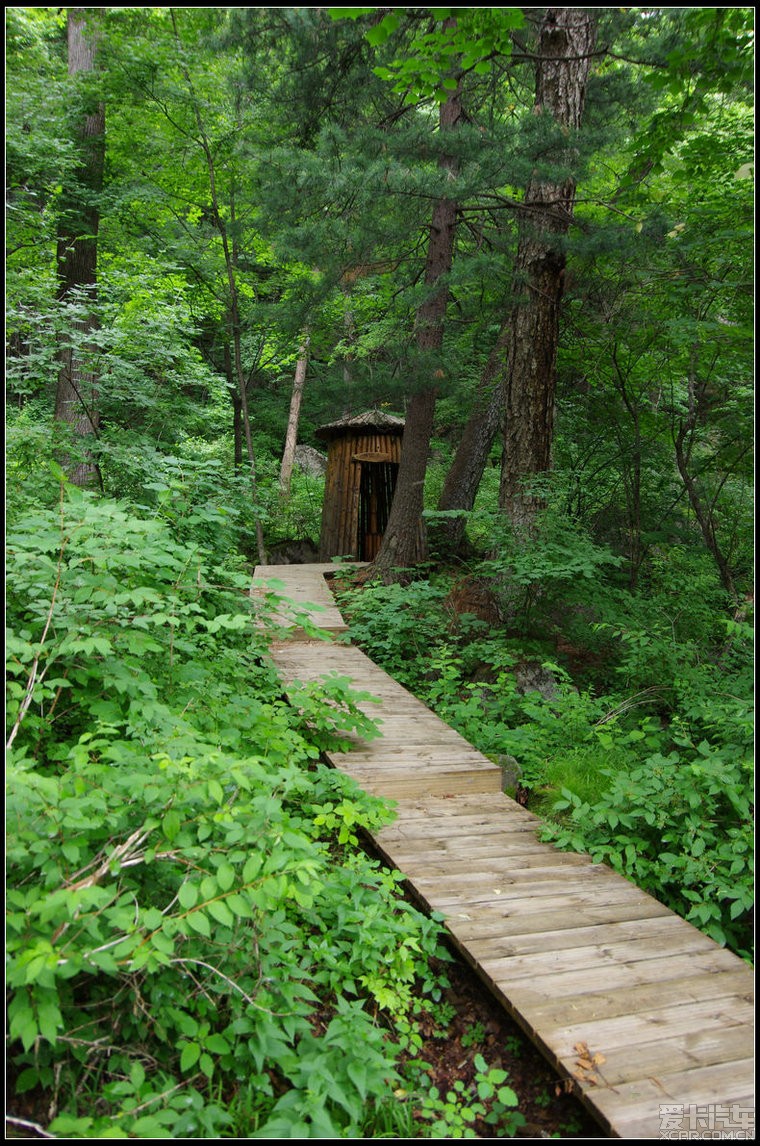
x,y
225,876
198,921
171,825
191,1052
221,912
188,895
216,791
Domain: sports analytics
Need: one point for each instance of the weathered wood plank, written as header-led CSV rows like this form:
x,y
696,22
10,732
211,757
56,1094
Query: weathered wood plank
x,y
441,780
506,924
676,1019
634,1107
654,929
567,1016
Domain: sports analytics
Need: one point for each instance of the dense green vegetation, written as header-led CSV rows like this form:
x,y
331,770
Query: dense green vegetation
x,y
199,200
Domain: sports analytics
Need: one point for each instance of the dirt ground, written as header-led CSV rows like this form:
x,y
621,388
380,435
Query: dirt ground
x,y
548,1110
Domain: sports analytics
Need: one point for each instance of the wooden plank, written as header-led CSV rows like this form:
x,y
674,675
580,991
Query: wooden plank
x,y
630,952
461,891
709,1046
636,1105
569,1015
502,867
658,927
501,922
678,1018
422,815
436,784
532,987
739,1124
507,817
378,756
475,848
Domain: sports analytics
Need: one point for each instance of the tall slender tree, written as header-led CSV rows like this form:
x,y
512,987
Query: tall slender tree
x,y
404,540
225,232
76,402
291,434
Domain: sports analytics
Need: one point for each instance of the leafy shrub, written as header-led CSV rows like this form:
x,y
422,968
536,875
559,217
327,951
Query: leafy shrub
x,y
196,948
680,826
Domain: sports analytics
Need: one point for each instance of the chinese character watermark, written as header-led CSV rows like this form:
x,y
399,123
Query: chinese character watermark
x,y
680,1120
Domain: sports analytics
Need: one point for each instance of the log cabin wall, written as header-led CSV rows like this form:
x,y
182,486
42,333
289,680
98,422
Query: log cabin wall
x,y
362,464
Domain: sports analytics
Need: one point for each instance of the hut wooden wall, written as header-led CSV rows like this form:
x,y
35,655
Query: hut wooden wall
x,y
340,511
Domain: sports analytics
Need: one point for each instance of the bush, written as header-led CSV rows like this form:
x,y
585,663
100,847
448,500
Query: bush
x,y
196,946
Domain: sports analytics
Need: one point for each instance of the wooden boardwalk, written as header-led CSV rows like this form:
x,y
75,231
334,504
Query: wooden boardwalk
x,y
650,1019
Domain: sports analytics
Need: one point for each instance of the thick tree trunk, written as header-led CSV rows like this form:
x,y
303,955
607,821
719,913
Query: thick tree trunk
x,y
516,390
76,400
291,435
566,41
404,541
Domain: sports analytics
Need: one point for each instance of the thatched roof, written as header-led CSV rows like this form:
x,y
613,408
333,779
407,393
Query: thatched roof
x,y
376,420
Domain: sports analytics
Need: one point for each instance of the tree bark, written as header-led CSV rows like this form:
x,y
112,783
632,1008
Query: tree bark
x,y
76,399
566,41
291,435
516,390
465,474
704,512
405,541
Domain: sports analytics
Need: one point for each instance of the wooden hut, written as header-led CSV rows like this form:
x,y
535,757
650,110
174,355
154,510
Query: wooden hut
x,y
363,456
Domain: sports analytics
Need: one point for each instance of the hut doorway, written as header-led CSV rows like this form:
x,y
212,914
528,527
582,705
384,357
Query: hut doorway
x,y
376,488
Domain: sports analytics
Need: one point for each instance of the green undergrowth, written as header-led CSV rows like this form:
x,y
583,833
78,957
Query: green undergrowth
x,y
197,945
635,746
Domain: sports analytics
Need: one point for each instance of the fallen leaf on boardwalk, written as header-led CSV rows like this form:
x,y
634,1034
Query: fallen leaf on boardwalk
x,y
586,1064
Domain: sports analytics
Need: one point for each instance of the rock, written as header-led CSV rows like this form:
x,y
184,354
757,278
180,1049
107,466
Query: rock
x,y
293,552
310,461
531,676
511,772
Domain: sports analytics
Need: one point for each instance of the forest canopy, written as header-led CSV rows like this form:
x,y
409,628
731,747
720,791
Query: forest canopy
x,y
528,233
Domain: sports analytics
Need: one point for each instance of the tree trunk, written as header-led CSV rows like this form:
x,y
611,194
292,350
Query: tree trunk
x,y
466,471
237,409
404,540
516,389
291,436
233,312
566,41
76,400
704,513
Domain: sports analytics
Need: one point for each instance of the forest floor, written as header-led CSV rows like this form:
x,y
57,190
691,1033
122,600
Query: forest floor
x,y
549,1111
